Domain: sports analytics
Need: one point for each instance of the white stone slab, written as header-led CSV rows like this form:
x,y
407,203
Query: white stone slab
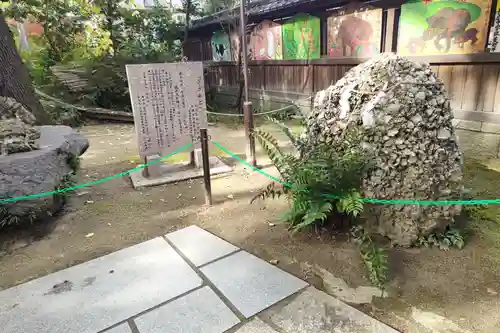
x,y
255,326
97,294
122,328
200,246
313,311
177,172
250,283
201,311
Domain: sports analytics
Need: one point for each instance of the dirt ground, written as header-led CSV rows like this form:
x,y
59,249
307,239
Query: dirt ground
x,y
462,286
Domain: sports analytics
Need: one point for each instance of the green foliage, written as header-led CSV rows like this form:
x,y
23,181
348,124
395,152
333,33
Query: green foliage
x,y
66,182
323,182
374,257
73,162
451,237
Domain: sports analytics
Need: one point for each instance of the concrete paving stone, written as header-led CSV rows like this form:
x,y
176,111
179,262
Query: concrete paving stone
x,y
200,311
255,326
314,311
490,128
469,125
477,144
122,328
250,283
95,295
200,246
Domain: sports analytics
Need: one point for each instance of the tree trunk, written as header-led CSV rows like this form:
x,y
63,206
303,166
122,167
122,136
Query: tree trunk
x,y
15,80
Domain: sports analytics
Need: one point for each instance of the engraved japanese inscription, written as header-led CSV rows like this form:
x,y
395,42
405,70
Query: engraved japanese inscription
x,y
168,103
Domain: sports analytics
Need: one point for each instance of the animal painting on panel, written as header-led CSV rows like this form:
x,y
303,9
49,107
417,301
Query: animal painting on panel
x,y
221,47
265,41
357,34
443,27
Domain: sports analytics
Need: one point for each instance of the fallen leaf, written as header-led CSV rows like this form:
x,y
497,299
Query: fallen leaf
x,y
89,235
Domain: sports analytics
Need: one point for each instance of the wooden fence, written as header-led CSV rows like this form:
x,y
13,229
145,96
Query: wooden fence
x,y
472,81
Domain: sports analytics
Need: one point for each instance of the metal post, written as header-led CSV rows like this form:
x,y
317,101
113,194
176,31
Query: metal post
x,y
250,147
145,172
191,158
206,166
243,24
247,106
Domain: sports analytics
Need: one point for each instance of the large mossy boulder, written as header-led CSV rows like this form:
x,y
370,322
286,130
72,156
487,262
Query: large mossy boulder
x,y
401,114
33,160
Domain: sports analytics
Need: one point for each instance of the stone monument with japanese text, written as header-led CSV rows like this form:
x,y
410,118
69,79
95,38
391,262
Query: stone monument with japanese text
x,y
168,103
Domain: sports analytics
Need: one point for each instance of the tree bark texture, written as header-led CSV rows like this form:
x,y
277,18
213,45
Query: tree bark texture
x,y
15,80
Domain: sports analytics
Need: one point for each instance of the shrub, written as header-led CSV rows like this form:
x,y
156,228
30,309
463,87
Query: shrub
x,y
317,185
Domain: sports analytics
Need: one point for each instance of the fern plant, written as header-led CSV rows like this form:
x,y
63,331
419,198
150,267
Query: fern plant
x,y
318,183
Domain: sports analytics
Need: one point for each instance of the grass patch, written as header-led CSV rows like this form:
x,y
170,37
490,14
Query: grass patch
x,y
483,178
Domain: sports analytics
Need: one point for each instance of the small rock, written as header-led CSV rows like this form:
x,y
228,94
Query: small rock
x,y
194,197
230,196
162,200
274,261
491,291
90,234
109,224
272,224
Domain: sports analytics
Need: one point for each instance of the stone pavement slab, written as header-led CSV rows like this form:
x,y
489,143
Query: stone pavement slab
x,y
92,296
313,311
250,283
122,328
201,311
200,246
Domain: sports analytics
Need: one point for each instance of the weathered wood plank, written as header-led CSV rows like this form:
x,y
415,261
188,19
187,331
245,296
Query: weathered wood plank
x,y
489,81
458,76
471,87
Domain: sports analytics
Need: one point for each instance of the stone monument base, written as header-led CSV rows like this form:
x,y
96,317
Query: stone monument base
x,y
160,174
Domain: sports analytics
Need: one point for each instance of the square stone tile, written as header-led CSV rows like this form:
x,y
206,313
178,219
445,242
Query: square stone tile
x,y
123,328
250,283
95,295
255,326
200,246
200,311
314,311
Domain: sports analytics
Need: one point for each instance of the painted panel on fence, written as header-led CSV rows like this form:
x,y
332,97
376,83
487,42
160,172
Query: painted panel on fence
x,y
494,39
221,47
168,102
235,45
301,37
355,34
443,27
266,42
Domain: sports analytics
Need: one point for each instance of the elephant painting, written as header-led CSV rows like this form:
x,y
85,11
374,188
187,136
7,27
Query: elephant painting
x,y
443,27
355,35
448,24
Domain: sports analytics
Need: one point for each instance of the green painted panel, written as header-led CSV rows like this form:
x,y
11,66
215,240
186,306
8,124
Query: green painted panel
x,y
301,37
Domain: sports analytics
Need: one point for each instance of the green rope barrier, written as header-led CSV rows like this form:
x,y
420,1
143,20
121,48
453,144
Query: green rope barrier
x,y
372,200
98,181
142,166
